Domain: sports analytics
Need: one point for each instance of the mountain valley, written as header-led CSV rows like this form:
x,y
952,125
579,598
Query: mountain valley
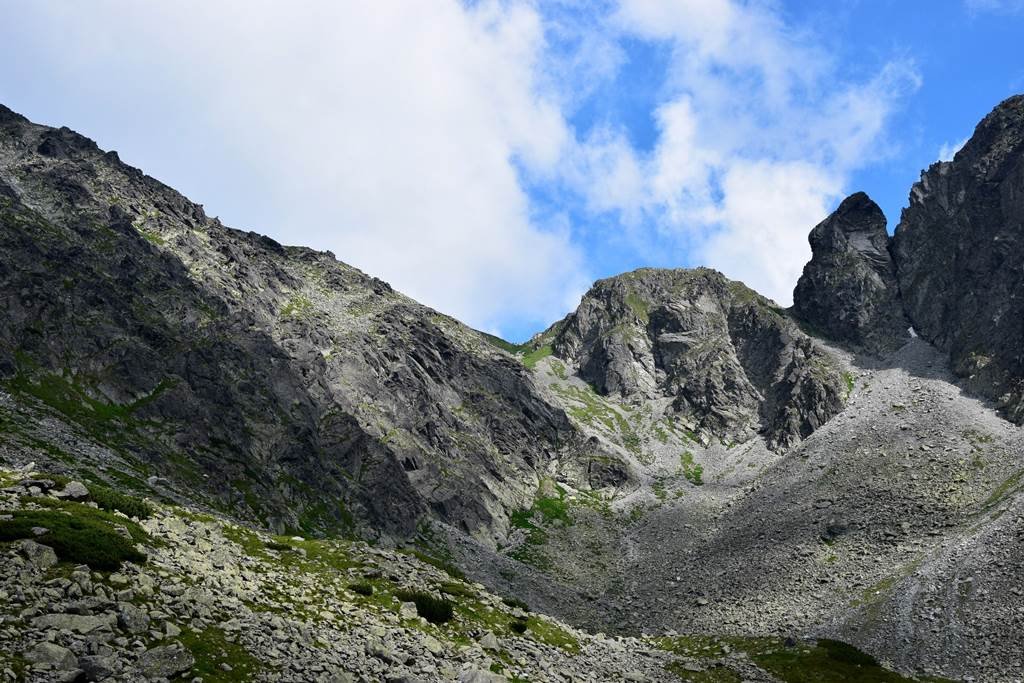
x,y
225,459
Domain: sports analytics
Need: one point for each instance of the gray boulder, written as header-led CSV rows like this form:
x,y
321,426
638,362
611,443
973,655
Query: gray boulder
x,y
165,661
40,556
131,618
54,655
73,490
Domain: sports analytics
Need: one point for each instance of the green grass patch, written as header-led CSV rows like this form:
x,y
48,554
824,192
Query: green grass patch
x,y
506,346
533,357
848,378
108,499
212,650
551,634
1004,488
516,603
693,472
79,538
822,661
639,307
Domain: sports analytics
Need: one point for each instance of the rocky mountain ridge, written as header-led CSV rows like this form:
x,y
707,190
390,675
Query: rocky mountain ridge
x,y
952,270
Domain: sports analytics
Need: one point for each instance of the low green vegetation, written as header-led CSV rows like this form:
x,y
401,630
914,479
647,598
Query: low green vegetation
x,y
364,588
297,307
432,608
500,343
693,472
1010,484
108,499
821,661
457,589
76,536
533,357
588,407
639,307
517,603
551,634
218,660
848,378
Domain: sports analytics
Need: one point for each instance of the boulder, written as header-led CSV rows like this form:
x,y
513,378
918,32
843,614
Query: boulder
x,y
40,556
165,661
54,655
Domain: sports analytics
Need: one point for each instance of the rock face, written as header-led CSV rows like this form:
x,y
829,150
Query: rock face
x,y
272,381
959,251
848,290
735,364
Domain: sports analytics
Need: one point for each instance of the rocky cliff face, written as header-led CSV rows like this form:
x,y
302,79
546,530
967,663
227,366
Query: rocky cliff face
x,y
959,252
733,362
848,290
954,269
275,381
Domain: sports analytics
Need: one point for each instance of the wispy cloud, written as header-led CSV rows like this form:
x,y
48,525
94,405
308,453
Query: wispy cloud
x,y
949,149
758,136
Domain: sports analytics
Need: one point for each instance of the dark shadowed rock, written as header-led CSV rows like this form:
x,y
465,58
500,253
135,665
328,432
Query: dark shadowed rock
x,y
959,252
848,291
272,381
733,361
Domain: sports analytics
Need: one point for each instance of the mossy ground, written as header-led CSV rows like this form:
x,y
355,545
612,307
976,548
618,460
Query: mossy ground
x,y
78,534
212,650
821,661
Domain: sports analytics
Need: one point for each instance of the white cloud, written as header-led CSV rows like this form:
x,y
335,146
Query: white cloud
x,y
403,134
949,149
390,132
757,138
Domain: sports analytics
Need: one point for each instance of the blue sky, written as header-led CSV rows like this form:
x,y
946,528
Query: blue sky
x,y
492,158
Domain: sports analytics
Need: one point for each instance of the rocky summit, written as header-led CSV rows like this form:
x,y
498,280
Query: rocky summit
x,y
225,459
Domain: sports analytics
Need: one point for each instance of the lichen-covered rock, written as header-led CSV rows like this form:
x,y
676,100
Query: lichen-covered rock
x,y
959,252
733,361
848,290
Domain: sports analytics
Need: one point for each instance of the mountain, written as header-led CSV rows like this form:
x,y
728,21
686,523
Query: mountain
x,y
228,440
953,270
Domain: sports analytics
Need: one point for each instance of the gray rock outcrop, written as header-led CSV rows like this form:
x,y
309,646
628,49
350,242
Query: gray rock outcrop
x,y
959,252
733,361
848,291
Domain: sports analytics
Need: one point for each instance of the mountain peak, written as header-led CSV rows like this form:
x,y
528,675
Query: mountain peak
x,y
848,289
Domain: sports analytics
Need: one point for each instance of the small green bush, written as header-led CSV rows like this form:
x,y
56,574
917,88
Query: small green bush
x,y
108,499
434,609
518,626
459,589
78,539
280,547
516,602
363,588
